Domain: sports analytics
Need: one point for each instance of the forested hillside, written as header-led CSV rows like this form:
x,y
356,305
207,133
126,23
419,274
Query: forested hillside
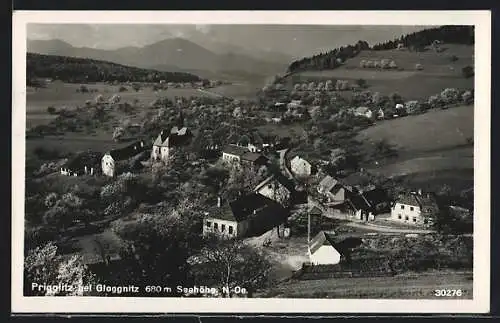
x,y
82,70
415,41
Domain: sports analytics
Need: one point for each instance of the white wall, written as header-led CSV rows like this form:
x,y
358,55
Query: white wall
x,y
408,214
275,192
325,255
108,165
230,158
300,166
239,228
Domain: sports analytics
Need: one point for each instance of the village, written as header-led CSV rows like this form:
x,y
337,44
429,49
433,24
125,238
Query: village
x,y
296,186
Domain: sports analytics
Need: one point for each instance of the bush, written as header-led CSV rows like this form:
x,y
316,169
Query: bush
x,y
361,83
122,89
468,71
51,110
136,87
453,58
83,89
467,97
450,96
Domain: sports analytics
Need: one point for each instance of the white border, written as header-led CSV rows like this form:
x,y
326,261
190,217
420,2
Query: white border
x,y
481,276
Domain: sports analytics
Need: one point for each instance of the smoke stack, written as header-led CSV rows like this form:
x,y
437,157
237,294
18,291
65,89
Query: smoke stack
x,y
218,201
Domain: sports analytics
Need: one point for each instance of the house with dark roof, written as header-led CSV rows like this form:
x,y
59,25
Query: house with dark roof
x,y
415,208
85,163
242,156
248,215
322,251
365,205
108,161
167,141
301,167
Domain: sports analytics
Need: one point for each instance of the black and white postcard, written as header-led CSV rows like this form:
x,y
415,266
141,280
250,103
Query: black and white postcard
x,y
251,162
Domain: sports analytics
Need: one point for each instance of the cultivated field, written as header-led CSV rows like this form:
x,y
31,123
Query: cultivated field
x,y
439,72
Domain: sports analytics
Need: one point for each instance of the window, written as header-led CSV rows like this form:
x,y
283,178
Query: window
x,y
402,207
407,218
414,219
399,216
223,228
230,228
411,208
216,225
209,224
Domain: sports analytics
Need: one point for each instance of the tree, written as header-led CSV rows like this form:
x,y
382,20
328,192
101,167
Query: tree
x,y
467,97
83,89
157,249
42,266
118,133
229,264
468,71
51,110
450,96
122,89
136,87
453,58
361,83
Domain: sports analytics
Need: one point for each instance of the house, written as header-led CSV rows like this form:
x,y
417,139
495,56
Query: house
x,y
108,161
246,216
380,114
333,190
241,155
278,188
167,141
415,208
321,250
363,112
365,205
83,164
301,167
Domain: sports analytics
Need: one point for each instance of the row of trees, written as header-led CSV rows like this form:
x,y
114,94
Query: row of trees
x,y
83,70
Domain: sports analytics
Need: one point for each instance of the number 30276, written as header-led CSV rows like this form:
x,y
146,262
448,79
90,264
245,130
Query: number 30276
x,y
448,292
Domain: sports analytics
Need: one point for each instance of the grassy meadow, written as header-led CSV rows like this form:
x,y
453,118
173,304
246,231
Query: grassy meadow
x,y
439,72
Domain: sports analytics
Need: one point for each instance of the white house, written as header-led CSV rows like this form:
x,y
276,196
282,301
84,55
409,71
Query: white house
x,y
241,217
240,155
166,142
321,250
363,112
301,167
108,161
415,208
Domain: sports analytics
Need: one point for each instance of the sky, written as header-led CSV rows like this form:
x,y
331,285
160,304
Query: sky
x,y
294,40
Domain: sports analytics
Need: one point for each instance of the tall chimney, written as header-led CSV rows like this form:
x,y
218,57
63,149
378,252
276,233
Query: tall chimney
x,y
218,201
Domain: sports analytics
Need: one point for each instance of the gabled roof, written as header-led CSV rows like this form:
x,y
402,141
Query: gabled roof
x,y
245,207
128,151
277,178
328,183
253,157
89,159
235,150
321,239
161,138
420,200
176,137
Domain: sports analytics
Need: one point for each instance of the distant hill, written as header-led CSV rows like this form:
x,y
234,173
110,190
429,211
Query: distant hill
x,y
81,70
175,52
415,41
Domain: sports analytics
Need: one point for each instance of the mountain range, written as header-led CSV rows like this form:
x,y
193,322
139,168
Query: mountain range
x,y
177,55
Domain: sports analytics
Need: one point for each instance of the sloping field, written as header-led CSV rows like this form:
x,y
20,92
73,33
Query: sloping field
x,y
432,147
439,72
434,130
